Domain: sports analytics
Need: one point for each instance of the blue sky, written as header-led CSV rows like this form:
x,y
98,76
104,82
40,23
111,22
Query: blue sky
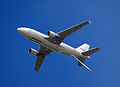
x,y
17,66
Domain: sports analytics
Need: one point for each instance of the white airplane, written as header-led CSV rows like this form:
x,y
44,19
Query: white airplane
x,y
53,42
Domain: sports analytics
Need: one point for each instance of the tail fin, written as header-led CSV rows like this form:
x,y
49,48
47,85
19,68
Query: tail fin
x,y
83,48
91,51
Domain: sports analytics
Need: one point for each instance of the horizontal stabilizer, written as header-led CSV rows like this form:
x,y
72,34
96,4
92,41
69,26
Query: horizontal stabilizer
x,y
81,62
82,59
91,51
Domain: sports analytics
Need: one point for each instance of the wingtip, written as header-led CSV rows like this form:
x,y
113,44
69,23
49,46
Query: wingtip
x,y
98,48
36,70
90,69
89,21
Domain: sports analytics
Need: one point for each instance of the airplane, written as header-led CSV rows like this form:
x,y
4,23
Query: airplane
x,y
53,42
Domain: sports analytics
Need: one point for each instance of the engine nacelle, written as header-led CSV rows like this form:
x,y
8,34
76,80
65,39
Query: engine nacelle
x,y
33,51
53,35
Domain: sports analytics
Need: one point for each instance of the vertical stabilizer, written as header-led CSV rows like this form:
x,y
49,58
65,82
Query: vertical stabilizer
x,y
83,48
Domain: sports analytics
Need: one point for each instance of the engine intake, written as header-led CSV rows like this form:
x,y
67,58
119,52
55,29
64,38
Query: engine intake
x,y
33,51
53,35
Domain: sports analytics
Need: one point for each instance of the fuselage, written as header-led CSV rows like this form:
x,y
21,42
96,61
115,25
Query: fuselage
x,y
40,38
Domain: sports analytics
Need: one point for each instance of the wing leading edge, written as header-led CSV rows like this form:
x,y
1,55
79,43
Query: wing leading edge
x,y
69,31
40,58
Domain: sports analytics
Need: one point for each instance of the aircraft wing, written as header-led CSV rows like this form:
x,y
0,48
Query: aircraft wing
x,y
40,58
69,31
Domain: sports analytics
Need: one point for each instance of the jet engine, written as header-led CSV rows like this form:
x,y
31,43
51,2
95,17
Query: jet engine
x,y
53,35
33,51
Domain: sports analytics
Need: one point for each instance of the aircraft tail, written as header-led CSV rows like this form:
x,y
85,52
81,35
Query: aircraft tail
x,y
86,52
83,48
91,51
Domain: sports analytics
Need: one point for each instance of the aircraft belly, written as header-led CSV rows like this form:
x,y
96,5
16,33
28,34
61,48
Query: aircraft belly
x,y
56,48
63,49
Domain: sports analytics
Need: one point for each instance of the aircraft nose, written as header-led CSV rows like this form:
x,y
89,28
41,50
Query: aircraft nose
x,y
20,30
23,30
